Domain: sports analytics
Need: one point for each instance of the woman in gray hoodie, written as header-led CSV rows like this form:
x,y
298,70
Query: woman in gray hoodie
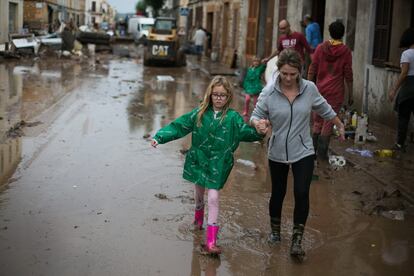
x,y
285,105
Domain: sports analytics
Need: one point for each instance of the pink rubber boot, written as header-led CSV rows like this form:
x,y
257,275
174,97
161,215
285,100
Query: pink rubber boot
x,y
199,218
246,105
211,239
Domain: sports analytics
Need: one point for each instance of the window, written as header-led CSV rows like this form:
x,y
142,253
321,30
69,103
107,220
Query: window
x,y
382,31
93,6
393,17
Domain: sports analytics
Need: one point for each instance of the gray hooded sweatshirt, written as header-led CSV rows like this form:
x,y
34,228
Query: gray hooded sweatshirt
x,y
291,138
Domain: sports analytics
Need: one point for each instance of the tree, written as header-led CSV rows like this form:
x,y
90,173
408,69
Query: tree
x,y
155,4
140,7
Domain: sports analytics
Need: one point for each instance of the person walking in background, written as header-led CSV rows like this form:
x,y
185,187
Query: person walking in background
x,y
312,32
285,105
290,39
199,40
216,131
252,83
404,88
209,38
331,67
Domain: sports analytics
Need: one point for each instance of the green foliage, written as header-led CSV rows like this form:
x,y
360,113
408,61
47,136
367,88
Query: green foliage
x,y
141,6
155,4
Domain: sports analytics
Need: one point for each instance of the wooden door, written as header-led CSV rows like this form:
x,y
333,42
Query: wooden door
x,y
269,28
252,28
225,28
318,13
282,13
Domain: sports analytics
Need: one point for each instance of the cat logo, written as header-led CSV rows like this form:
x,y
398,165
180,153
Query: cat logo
x,y
160,50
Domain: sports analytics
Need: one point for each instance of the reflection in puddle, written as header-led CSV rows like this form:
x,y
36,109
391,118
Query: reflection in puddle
x,y
10,155
10,105
25,92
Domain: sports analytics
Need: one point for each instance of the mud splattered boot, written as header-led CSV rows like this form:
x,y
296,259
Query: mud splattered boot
x,y
199,218
296,249
210,247
274,236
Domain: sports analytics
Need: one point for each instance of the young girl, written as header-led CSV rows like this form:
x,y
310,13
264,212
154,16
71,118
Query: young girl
x,y
216,131
252,83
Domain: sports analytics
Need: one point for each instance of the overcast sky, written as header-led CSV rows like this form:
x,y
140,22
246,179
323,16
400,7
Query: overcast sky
x,y
123,6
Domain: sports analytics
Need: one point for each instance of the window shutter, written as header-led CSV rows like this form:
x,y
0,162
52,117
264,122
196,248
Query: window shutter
x,y
269,28
382,31
252,26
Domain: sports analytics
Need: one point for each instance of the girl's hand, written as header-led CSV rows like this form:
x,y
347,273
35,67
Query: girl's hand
x,y
262,126
154,143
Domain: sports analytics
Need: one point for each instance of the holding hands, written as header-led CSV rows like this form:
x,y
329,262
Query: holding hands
x,y
262,125
154,143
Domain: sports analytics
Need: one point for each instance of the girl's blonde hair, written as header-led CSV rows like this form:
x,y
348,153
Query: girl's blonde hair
x,y
207,102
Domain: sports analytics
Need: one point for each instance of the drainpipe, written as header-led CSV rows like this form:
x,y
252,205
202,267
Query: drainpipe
x,y
366,92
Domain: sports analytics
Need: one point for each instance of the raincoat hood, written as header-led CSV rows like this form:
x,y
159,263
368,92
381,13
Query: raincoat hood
x,y
333,52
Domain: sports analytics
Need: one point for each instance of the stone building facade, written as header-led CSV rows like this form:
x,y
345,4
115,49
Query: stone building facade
x,y
11,18
46,14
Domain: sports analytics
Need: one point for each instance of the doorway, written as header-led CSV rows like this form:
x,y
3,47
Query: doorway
x,y
318,13
225,28
12,18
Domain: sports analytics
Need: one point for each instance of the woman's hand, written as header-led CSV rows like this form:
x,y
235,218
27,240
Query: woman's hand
x,y
262,126
340,126
154,143
341,130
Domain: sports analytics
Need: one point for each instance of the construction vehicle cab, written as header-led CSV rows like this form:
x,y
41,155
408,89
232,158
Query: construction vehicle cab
x,y
163,43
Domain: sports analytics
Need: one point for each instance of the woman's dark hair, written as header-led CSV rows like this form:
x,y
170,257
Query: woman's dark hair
x,y
336,30
290,57
407,38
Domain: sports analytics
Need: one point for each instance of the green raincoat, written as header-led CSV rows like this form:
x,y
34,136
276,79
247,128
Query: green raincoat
x,y
252,83
210,159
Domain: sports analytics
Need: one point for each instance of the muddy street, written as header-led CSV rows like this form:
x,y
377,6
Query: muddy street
x,y
83,193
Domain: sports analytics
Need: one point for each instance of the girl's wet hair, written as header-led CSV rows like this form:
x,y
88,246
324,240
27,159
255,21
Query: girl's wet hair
x,y
207,102
290,57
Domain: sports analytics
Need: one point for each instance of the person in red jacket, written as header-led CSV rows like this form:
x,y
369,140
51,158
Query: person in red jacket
x,y
332,68
290,39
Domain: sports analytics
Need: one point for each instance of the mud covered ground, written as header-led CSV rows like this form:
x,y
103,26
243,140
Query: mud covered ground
x,y
83,193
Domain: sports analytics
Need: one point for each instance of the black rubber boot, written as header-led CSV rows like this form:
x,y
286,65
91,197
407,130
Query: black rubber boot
x,y
274,236
323,147
296,249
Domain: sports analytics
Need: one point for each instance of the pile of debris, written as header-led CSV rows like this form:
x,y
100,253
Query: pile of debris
x,y
64,43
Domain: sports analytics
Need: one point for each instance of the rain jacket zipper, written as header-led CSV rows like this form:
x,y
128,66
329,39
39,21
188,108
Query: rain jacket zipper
x,y
290,123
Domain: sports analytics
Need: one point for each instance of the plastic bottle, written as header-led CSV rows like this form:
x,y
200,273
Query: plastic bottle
x,y
354,119
361,130
384,153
